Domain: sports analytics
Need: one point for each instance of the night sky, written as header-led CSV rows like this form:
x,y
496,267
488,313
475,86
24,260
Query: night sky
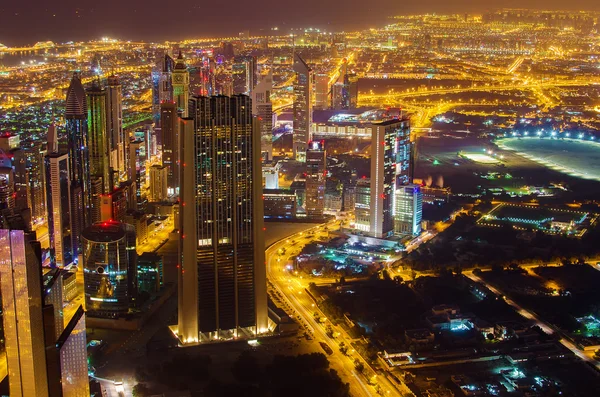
x,y
28,21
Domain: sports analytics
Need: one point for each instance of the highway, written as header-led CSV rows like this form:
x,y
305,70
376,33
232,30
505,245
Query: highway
x,y
292,290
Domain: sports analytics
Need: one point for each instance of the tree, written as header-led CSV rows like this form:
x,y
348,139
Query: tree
x,y
246,369
140,390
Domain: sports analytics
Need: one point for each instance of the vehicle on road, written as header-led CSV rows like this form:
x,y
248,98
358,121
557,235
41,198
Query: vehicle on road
x,y
326,347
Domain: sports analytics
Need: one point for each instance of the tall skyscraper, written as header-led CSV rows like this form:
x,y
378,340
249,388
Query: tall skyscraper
x,y
390,167
170,146
181,85
158,183
316,172
109,266
162,85
244,71
77,147
59,209
263,109
97,141
222,286
302,107
321,91
72,355
137,169
52,292
408,210
114,127
20,280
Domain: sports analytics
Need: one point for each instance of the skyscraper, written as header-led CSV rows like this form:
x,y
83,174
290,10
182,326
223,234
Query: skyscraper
x,y
77,148
162,85
181,85
114,127
408,210
170,146
302,107
20,280
59,209
158,183
109,263
222,286
244,71
97,141
71,349
263,109
390,167
137,169
316,170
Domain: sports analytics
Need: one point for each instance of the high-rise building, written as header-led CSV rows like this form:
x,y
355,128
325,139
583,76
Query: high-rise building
x,y
21,181
20,281
362,205
35,154
114,205
170,144
302,107
262,108
53,295
73,365
97,141
76,144
137,169
316,172
244,72
114,127
158,183
110,269
321,91
408,210
181,85
7,185
59,206
390,167
162,85
222,279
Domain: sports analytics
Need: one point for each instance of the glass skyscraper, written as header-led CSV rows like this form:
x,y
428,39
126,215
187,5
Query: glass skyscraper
x,y
222,290
109,268
302,107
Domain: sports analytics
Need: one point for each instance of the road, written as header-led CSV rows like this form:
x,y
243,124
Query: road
x,y
292,291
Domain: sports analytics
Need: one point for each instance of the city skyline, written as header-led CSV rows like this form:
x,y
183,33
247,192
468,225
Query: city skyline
x,y
62,21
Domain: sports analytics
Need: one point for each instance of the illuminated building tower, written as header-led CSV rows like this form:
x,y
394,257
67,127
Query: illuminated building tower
x,y
244,71
302,107
109,269
362,205
37,181
72,357
52,292
262,108
77,148
20,281
158,183
59,209
316,170
170,146
114,205
98,144
222,280
162,85
352,90
114,127
390,167
408,210
181,85
7,185
137,169
321,91
21,179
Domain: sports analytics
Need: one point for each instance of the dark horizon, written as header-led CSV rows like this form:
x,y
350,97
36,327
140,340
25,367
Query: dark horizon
x,y
153,20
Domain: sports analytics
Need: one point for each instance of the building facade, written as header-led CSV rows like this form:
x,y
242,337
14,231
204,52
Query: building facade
x,y
222,279
302,107
109,269
316,172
